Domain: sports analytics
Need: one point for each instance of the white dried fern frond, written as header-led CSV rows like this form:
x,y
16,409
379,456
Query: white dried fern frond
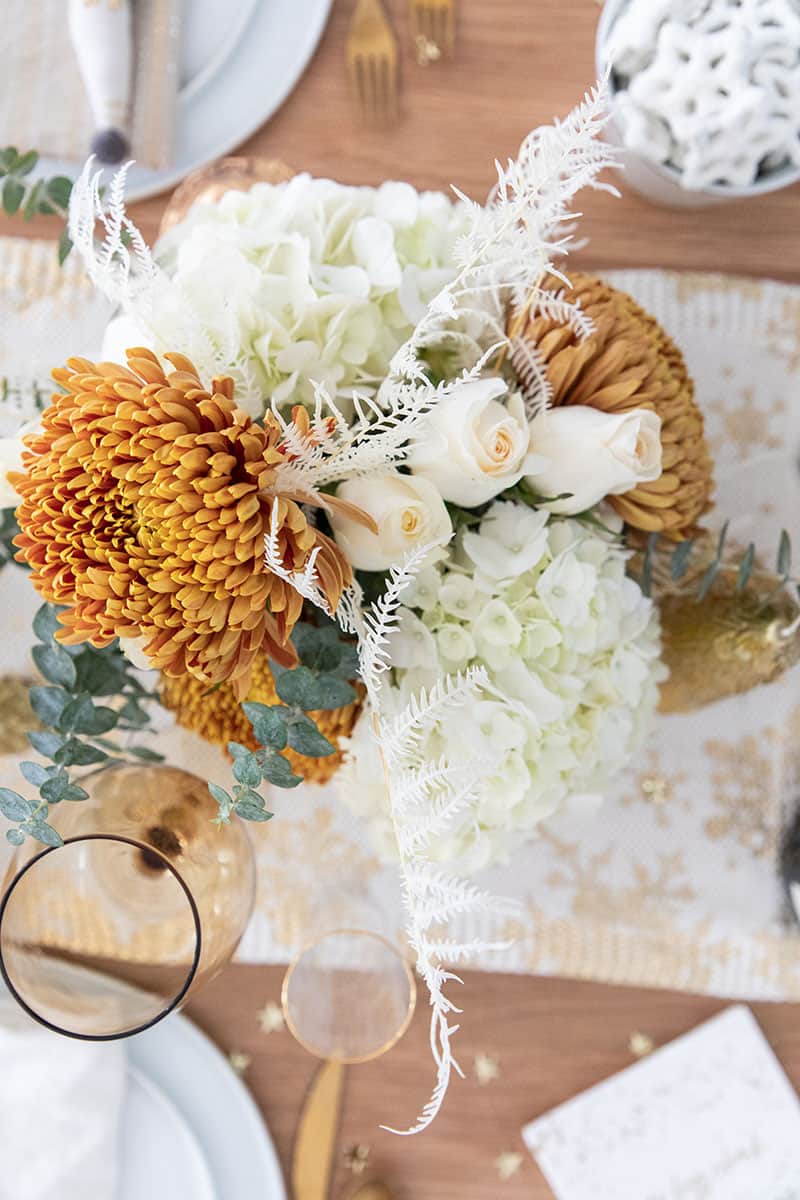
x,y
531,375
424,799
121,262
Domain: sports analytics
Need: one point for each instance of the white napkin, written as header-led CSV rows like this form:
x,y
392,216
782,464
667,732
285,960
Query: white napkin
x,y
60,1102
710,1115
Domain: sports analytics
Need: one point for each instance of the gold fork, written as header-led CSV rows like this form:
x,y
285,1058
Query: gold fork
x,y
372,61
434,24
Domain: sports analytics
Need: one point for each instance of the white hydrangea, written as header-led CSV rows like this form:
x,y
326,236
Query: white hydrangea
x,y
572,648
302,282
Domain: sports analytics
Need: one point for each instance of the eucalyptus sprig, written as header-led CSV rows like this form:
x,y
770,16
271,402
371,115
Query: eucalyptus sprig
x,y
74,725
9,528
320,682
682,555
34,197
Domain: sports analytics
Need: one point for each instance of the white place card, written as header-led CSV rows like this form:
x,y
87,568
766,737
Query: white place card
x,y
711,1116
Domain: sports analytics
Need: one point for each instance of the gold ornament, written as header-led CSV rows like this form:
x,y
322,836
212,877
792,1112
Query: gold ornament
x,y
227,174
728,642
629,362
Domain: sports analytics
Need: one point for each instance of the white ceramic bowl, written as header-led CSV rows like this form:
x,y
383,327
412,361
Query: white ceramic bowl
x,y
661,183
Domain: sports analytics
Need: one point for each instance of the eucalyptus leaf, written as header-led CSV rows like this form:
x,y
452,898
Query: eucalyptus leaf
x,y
43,832
249,810
746,567
297,687
13,806
97,676
74,753
220,795
45,622
278,771
146,754
306,739
679,562
13,194
82,716
133,714
59,190
246,770
35,773
47,744
15,836
75,793
49,703
784,562
54,789
26,162
333,692
708,580
55,664
269,723
64,247
31,207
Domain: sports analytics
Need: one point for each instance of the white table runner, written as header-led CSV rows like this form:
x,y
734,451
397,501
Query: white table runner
x,y
674,882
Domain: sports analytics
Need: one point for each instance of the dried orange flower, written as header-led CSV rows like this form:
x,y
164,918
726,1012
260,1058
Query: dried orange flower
x,y
218,717
145,502
630,362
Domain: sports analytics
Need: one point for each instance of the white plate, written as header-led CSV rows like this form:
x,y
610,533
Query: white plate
x,y
231,82
221,1122
160,1158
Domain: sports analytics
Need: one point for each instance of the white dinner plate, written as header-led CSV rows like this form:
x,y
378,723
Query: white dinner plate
x,y
160,1158
176,1075
240,59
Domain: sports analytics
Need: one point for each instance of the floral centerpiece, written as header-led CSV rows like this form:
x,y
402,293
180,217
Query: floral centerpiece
x,y
377,490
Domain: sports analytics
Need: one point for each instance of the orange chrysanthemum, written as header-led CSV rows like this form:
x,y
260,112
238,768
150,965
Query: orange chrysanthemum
x,y
218,717
630,362
145,502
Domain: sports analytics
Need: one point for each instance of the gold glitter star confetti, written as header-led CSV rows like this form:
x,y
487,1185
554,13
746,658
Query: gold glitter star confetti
x,y
239,1061
486,1069
507,1164
640,1044
427,51
356,1158
270,1018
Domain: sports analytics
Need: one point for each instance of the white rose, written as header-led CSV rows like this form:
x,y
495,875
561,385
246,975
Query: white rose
x,y
409,513
471,446
592,454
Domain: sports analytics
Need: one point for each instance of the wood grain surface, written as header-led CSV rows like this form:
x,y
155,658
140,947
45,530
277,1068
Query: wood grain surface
x,y
552,1038
518,63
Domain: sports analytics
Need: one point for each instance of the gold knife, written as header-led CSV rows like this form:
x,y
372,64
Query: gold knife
x,y
315,1144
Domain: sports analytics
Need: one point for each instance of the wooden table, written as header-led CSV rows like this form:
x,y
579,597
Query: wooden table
x,y
518,63
551,1037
